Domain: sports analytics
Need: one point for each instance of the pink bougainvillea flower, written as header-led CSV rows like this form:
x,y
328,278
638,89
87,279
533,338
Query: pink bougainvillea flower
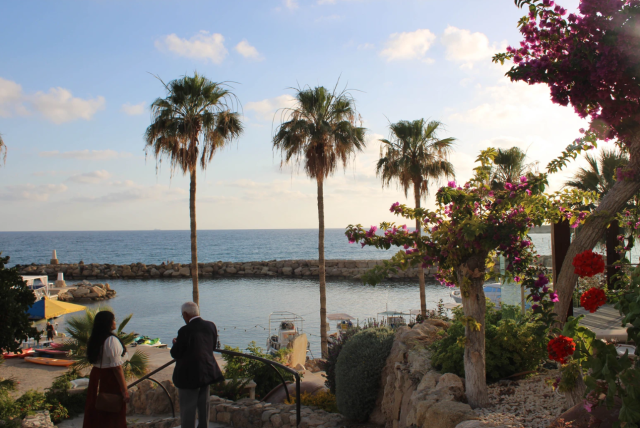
x,y
523,179
452,184
394,207
554,297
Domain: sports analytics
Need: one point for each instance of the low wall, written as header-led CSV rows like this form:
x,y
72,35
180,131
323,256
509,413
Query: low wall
x,y
349,269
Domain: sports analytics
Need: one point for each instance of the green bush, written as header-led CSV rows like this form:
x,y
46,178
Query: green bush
x,y
359,372
264,376
60,404
335,347
513,344
233,390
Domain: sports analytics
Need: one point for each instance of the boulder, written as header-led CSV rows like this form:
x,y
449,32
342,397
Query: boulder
x,y
185,271
168,273
447,414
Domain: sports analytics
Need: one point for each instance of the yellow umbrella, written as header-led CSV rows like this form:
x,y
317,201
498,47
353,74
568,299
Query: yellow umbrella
x,y
47,308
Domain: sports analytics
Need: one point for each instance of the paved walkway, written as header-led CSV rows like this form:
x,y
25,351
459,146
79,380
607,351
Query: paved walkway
x,y
77,421
606,323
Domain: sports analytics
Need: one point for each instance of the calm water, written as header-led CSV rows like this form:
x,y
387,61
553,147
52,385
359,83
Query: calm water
x,y
241,307
124,247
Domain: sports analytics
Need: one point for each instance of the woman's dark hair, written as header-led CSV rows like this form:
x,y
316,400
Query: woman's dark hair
x,y
101,331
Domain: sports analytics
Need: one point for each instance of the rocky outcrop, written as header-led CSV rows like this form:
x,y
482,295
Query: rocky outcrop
x,y
412,393
348,269
87,292
39,419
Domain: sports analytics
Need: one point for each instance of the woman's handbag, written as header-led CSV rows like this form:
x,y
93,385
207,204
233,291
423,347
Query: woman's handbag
x,y
105,401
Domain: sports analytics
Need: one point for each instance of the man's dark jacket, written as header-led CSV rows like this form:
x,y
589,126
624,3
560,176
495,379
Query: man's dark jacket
x,y
193,352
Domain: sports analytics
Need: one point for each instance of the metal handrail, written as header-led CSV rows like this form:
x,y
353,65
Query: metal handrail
x,y
274,365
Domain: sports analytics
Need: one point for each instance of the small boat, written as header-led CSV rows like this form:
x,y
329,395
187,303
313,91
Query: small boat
x,y
49,361
25,352
344,321
288,325
52,351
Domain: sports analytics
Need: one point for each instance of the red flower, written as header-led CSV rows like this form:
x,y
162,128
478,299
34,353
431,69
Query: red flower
x,y
588,264
560,348
592,299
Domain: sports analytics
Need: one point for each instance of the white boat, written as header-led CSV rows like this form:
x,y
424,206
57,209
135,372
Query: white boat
x,y
286,326
491,292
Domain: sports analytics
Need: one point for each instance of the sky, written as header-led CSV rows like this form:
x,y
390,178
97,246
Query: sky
x,y
77,80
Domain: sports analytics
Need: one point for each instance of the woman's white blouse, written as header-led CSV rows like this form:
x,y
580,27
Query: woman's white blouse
x,y
112,357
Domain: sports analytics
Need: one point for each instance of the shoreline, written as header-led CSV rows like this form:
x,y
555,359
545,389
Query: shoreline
x,y
347,269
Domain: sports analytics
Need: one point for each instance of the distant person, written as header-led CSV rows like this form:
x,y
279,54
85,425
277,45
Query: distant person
x,y
105,351
49,329
196,368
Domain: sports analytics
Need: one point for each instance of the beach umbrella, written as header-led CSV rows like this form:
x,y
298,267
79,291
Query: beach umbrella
x,y
47,308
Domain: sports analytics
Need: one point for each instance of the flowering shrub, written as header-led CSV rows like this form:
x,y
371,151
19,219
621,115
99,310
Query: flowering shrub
x,y
588,264
560,348
592,299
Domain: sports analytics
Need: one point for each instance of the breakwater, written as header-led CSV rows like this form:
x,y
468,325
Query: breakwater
x,y
347,269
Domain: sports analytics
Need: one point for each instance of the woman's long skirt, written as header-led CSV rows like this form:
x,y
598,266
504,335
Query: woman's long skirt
x,y
98,419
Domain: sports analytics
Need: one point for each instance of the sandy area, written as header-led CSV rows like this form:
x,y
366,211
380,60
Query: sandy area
x,y
39,377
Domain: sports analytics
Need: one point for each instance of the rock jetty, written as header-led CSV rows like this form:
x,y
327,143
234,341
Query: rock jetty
x,y
346,269
87,292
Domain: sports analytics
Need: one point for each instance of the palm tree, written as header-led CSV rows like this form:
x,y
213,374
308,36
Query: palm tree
x,y
599,177
3,150
79,330
319,132
509,167
189,125
415,156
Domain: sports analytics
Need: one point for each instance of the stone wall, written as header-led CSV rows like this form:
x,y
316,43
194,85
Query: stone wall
x,y
348,269
148,399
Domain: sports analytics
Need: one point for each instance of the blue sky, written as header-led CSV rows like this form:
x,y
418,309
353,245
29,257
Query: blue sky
x,y
76,80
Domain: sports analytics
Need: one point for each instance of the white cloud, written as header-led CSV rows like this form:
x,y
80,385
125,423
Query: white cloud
x,y
266,109
135,193
90,155
407,46
94,177
513,104
365,46
133,109
467,47
290,4
59,105
11,98
277,190
248,51
30,192
203,46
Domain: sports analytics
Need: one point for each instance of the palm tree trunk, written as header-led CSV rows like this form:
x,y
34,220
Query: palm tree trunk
x,y
423,293
611,243
474,305
321,271
612,202
194,238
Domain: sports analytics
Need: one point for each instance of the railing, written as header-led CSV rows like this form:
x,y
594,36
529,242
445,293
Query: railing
x,y
275,366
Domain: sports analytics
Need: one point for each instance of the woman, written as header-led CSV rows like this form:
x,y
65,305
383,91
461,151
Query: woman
x,y
49,331
105,352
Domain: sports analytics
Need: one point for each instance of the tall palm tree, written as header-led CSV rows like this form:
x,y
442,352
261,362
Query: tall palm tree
x,y
188,126
79,330
320,131
415,156
599,177
509,166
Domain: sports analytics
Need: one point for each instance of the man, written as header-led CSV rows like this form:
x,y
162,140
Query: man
x,y
196,368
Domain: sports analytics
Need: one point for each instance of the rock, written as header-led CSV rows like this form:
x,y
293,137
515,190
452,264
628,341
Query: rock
x,y
40,419
168,273
287,271
154,272
231,270
185,271
475,424
80,292
448,414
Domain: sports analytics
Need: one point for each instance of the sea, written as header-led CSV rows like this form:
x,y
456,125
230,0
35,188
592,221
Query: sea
x,y
240,307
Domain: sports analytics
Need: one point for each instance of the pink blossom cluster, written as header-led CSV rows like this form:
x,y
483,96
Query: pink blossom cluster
x,y
588,60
